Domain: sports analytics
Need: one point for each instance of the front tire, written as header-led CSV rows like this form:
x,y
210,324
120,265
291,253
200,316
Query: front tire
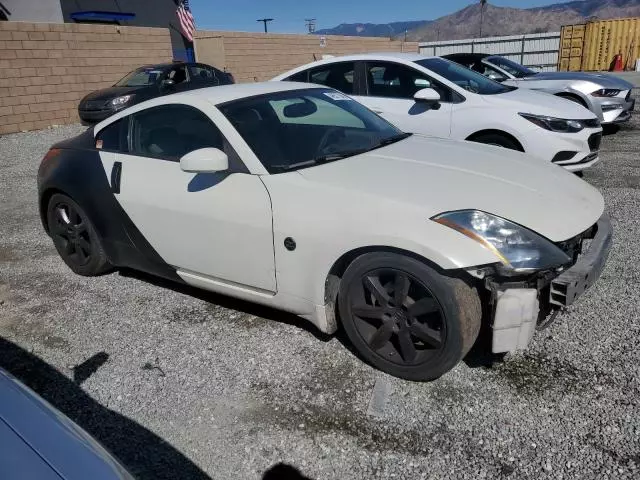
x,y
405,318
75,237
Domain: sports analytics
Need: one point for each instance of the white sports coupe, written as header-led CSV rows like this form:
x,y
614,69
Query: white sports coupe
x,y
433,96
300,198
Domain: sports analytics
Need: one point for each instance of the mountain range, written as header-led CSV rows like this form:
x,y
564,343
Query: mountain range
x,y
465,23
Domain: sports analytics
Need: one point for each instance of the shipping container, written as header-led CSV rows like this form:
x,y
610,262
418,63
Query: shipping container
x,y
571,48
593,47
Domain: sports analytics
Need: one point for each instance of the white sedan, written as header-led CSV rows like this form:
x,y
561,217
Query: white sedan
x,y
300,198
434,96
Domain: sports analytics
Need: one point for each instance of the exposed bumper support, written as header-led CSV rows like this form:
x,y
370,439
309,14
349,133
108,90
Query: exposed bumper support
x,y
517,309
566,288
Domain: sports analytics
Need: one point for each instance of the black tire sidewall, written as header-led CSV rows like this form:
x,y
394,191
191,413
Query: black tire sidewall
x,y
98,263
441,289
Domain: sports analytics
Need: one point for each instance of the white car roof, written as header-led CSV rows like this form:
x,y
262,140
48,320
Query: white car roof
x,y
213,95
406,56
227,93
377,56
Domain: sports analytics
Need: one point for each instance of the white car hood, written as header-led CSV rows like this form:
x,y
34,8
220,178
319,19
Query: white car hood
x,y
441,175
539,103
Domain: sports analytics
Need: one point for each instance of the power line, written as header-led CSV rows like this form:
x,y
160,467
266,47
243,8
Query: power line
x,y
265,21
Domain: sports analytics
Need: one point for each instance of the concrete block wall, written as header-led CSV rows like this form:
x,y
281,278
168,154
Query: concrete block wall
x,y
259,56
46,68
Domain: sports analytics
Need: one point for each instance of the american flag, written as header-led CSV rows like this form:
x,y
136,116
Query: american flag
x,y
187,23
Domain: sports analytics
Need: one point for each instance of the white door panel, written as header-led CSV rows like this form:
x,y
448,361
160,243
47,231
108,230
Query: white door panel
x,y
411,116
217,225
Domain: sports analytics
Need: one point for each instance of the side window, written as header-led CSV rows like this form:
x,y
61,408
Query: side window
x,y
178,74
170,131
393,80
114,137
336,75
299,77
202,73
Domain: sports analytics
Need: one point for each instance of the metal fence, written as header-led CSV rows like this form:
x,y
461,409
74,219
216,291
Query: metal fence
x,y
532,50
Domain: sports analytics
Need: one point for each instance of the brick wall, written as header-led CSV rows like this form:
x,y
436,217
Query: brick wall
x,y
46,68
259,56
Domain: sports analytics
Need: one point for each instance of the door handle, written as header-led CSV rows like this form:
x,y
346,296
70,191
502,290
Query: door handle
x,y
379,112
116,173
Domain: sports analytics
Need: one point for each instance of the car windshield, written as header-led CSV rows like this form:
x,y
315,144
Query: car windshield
x,y
302,128
463,77
140,78
511,67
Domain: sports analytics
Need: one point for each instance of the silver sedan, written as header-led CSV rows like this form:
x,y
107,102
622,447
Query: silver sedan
x,y
608,96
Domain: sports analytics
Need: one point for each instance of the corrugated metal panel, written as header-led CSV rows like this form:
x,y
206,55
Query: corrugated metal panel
x,y
533,50
606,38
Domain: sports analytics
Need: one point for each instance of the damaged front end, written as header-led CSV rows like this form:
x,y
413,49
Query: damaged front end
x,y
519,302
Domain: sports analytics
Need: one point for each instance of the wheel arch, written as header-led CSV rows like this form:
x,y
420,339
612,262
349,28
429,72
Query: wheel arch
x,y
575,96
493,131
339,267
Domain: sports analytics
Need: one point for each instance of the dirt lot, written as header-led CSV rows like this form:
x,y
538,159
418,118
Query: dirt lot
x,y
183,384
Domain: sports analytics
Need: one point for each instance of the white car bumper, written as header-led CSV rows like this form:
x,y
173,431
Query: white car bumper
x,y
572,151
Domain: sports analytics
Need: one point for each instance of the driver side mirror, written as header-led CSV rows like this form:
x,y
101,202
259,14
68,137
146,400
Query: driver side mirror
x,y
427,95
205,160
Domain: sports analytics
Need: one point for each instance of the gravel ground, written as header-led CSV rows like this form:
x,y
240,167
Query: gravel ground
x,y
184,384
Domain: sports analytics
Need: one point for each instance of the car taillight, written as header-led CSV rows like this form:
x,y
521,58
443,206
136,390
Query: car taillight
x,y
52,153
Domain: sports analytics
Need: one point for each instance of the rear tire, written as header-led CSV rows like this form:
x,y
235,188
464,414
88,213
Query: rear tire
x,y
75,237
498,140
405,318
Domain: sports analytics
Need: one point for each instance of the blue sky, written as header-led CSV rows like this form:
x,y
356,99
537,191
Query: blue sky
x,y
289,15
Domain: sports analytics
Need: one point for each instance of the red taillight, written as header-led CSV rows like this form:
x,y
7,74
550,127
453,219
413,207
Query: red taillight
x,y
53,153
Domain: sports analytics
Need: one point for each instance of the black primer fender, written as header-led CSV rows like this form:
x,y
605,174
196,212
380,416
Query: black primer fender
x,y
77,171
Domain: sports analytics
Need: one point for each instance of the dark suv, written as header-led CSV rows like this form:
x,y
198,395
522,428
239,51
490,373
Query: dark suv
x,y
148,82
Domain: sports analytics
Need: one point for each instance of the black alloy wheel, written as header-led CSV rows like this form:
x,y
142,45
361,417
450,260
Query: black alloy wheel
x,y
397,316
74,237
406,318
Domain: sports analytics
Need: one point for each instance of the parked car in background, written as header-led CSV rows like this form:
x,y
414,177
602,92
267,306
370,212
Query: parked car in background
x,y
39,442
608,96
434,96
300,198
148,82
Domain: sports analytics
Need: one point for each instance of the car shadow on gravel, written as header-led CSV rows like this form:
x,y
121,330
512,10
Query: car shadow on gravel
x,y
142,452
229,303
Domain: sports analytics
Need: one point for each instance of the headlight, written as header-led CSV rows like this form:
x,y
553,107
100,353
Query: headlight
x,y
517,247
554,124
120,101
606,92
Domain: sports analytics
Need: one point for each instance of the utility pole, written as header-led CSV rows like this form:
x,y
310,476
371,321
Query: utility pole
x,y
482,5
311,24
265,21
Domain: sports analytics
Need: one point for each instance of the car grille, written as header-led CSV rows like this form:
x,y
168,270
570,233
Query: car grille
x,y
594,141
93,105
592,123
